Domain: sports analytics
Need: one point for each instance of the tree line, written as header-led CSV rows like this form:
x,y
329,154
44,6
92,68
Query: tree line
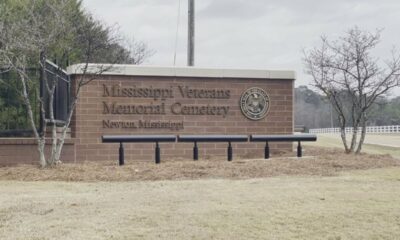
x,y
31,18
313,110
65,28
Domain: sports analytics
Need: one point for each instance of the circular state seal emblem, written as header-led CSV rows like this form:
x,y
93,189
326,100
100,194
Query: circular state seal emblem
x,y
254,103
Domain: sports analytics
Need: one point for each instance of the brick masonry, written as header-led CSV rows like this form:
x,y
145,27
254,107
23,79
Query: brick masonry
x,y
87,126
14,151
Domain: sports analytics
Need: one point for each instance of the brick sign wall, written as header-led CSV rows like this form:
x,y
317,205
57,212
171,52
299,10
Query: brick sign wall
x,y
123,104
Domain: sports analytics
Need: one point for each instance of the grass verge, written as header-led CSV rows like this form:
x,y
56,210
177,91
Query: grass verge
x,y
353,205
384,147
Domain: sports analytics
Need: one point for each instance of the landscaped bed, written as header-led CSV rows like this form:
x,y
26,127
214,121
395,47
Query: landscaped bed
x,y
318,161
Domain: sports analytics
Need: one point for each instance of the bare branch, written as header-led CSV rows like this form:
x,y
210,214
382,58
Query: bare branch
x,y
345,67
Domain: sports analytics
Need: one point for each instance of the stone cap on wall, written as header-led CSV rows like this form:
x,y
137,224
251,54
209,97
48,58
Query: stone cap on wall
x,y
141,70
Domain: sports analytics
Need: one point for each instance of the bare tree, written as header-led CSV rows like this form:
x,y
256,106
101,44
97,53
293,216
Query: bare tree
x,y
137,52
345,71
47,28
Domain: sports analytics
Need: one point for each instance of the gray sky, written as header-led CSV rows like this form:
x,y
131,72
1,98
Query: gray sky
x,y
260,34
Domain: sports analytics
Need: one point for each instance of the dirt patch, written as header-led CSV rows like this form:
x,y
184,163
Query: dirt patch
x,y
318,161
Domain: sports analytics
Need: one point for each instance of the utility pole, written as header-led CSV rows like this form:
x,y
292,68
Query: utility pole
x,y
190,50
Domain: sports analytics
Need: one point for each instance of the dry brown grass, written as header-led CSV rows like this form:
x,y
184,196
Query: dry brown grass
x,y
353,205
325,162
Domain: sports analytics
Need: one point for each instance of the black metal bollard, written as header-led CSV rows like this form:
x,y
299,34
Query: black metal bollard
x,y
158,157
195,152
229,152
299,151
121,154
266,150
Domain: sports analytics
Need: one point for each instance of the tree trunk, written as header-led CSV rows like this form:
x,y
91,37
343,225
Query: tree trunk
x,y
342,122
67,123
60,145
41,140
41,150
363,133
54,140
344,140
354,138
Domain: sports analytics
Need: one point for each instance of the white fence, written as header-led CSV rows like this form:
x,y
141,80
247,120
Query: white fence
x,y
371,129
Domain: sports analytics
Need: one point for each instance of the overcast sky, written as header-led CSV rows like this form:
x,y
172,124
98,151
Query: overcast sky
x,y
259,34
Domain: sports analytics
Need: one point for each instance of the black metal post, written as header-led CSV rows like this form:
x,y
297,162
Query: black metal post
x,y
121,154
158,157
195,152
229,152
299,152
266,150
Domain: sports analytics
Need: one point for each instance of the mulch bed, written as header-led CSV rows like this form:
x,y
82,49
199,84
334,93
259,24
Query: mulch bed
x,y
318,161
